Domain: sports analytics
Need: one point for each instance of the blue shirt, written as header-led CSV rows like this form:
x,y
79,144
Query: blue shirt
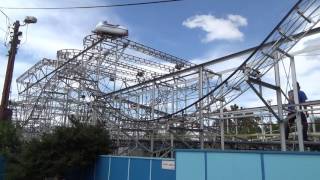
x,y
302,98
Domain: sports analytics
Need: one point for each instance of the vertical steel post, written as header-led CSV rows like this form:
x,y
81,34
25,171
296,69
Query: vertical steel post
x,y
296,101
263,130
66,109
152,116
200,106
221,125
171,144
118,139
236,123
313,120
172,111
279,104
227,123
138,106
185,95
138,117
172,99
142,103
153,100
261,117
270,119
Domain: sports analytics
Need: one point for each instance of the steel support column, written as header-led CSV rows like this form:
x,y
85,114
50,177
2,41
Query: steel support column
x,y
279,103
236,124
172,110
153,101
171,144
221,126
270,119
313,120
201,106
296,101
227,124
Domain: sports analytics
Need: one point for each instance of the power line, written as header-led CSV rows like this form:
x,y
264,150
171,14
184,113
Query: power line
x,y
309,55
7,24
91,7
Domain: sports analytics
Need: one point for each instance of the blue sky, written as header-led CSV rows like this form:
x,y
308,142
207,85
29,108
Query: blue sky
x,y
161,25
190,29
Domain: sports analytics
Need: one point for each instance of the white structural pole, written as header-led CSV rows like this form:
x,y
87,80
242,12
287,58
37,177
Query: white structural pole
x,y
263,130
171,144
280,110
313,120
200,106
270,118
261,118
236,123
296,101
221,125
227,123
172,110
152,116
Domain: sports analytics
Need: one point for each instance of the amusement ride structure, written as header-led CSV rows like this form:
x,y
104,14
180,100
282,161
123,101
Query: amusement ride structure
x,y
155,102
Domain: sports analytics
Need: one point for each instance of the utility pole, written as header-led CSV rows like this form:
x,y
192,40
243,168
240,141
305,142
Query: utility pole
x,y
5,112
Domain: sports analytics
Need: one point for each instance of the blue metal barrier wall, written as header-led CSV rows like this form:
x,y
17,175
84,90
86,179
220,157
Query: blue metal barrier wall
x,y
133,168
246,165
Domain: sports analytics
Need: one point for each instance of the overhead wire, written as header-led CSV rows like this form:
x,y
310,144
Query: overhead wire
x,y
6,37
7,32
308,55
91,7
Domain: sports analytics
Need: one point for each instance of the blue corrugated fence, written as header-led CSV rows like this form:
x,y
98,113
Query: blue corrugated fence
x,y
206,165
246,165
134,168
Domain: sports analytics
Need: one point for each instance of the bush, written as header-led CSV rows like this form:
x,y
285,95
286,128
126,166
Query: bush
x,y
57,153
9,138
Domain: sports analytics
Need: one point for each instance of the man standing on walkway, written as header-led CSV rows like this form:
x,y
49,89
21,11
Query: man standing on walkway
x,y
292,113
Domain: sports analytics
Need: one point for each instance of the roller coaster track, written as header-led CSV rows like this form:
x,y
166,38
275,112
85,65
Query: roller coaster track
x,y
156,89
298,22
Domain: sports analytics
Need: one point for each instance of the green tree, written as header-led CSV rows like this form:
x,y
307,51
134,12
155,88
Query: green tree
x,y
275,128
65,149
9,138
246,125
10,145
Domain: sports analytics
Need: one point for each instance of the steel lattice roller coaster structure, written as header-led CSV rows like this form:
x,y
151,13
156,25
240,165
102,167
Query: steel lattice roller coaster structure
x,y
155,101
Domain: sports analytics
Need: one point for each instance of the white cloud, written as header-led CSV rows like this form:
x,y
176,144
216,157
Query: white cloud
x,y
307,61
218,28
238,20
